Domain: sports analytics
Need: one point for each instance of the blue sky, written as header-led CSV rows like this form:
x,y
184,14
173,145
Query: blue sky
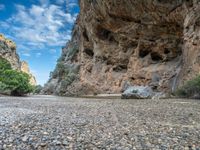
x,y
40,28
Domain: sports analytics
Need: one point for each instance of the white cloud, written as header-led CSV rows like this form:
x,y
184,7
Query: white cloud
x,y
53,51
40,26
46,26
26,54
2,7
73,4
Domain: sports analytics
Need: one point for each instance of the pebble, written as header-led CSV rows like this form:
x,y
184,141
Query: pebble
x,y
45,133
43,144
70,123
65,143
25,138
57,142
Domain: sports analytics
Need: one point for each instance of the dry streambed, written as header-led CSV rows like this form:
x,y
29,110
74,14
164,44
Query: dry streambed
x,y
48,122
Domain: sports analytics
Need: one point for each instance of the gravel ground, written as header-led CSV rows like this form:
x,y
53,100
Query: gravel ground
x,y
54,123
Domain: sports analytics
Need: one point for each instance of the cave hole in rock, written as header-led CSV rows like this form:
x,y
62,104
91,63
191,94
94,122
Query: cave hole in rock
x,y
189,3
166,51
104,34
85,35
13,48
112,39
132,78
89,52
165,1
109,62
143,53
197,22
156,56
120,68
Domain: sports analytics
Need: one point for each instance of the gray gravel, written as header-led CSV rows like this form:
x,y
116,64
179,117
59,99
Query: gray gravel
x,y
54,123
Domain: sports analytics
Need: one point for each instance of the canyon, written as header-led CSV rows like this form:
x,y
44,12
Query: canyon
x,y
134,42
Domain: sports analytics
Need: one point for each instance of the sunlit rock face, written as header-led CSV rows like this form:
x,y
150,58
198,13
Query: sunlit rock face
x,y
136,42
24,67
8,52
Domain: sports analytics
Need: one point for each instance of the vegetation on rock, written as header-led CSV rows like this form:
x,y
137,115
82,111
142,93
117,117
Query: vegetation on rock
x,y
13,82
191,89
37,89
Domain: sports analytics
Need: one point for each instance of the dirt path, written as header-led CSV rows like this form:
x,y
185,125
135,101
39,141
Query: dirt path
x,y
49,122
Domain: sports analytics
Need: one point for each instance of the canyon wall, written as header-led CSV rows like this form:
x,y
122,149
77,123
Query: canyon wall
x,y
24,67
8,52
116,43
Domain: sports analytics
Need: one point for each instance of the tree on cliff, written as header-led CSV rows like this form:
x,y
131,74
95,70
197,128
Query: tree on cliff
x,y
13,82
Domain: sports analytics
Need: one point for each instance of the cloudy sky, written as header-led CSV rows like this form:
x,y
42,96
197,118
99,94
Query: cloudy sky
x,y
39,28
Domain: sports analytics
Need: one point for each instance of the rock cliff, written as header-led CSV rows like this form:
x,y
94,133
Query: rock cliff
x,y
136,42
24,67
8,52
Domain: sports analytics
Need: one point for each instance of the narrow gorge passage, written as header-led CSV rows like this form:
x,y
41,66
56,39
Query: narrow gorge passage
x,y
50,122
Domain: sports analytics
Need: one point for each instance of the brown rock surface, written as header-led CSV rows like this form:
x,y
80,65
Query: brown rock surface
x,y
24,67
138,42
8,52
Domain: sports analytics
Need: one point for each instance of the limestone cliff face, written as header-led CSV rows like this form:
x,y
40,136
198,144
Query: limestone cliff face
x,y
25,68
137,42
8,52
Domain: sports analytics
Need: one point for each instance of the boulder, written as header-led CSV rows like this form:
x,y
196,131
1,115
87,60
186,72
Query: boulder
x,y
138,92
160,95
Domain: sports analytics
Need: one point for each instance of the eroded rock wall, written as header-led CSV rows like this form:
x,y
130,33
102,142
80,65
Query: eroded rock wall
x,y
8,52
24,67
134,42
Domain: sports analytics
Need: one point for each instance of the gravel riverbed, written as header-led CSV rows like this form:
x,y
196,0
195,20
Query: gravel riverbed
x,y
54,123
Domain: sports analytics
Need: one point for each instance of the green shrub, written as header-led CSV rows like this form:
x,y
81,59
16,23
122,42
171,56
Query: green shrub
x,y
72,52
4,64
191,89
16,82
37,89
68,79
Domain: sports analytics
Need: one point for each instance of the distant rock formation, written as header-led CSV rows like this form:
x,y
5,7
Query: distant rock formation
x,y
24,67
8,52
143,43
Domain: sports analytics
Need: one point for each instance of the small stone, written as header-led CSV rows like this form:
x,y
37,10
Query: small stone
x,y
10,140
69,138
4,146
25,138
57,142
65,143
43,144
45,133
